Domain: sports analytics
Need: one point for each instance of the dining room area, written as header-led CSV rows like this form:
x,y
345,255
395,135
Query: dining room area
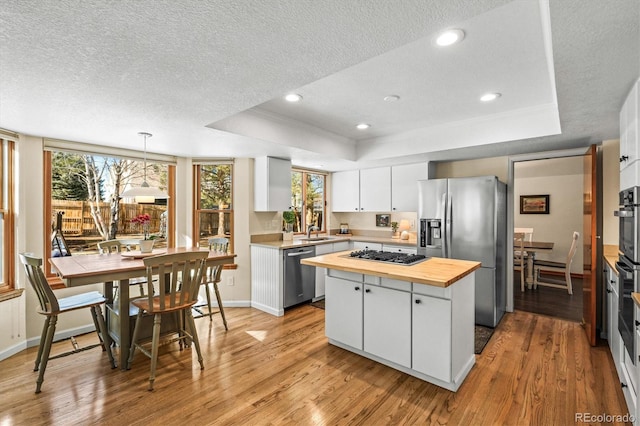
x,y
547,244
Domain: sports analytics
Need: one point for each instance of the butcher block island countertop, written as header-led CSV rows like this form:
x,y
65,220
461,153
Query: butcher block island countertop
x,y
434,271
418,319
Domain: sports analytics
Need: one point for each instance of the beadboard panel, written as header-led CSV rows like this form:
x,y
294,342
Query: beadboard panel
x,y
266,280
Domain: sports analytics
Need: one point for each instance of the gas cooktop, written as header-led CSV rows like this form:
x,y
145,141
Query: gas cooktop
x,y
389,256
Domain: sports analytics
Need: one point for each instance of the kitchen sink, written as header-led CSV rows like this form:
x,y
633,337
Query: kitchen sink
x,y
316,239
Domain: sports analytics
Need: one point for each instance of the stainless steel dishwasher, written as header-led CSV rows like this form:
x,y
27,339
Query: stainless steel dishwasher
x,y
299,280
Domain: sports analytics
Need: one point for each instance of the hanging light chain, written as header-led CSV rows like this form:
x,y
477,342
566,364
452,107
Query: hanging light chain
x,y
145,135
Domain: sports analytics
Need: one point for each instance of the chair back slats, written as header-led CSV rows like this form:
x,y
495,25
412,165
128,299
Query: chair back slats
x,y
46,297
572,249
179,276
219,244
110,246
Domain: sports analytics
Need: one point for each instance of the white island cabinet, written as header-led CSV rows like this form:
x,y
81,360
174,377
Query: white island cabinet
x,y
418,319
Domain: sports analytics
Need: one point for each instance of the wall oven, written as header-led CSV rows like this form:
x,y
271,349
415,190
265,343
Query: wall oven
x,y
628,267
629,214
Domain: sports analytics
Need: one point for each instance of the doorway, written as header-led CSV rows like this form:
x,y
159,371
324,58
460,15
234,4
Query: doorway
x,y
558,177
557,183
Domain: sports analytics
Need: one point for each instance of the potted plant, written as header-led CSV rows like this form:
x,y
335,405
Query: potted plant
x,y
289,218
144,221
394,229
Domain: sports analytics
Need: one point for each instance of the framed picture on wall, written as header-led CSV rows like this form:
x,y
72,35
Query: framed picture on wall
x,y
534,204
383,220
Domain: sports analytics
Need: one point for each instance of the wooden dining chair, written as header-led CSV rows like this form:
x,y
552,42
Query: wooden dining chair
x,y
519,256
212,276
117,246
51,307
179,277
528,233
565,268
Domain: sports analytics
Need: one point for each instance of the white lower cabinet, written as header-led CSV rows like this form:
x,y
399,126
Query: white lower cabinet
x,y
419,329
387,324
613,335
431,336
343,311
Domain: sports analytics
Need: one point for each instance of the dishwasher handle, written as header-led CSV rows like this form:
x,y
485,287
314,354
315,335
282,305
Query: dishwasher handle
x,y
299,253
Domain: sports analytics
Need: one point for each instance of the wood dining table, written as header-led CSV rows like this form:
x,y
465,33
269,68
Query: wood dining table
x,y
531,248
109,268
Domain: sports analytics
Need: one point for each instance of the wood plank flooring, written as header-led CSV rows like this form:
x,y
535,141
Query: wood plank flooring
x,y
270,370
551,301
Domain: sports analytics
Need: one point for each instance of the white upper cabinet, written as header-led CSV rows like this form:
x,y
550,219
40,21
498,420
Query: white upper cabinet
x,y
375,189
629,140
345,191
404,189
629,129
272,184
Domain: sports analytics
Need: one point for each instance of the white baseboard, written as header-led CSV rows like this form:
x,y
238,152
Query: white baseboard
x,y
9,352
35,341
268,309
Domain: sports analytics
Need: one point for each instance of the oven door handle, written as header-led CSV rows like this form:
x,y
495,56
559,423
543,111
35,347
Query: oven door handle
x,y
624,272
623,213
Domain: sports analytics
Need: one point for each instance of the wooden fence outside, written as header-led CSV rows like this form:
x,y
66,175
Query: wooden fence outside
x,y
77,220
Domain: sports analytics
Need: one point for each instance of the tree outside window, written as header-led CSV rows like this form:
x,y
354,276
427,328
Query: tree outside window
x,y
213,203
86,189
308,199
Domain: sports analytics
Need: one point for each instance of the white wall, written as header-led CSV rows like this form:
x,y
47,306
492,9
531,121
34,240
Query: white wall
x,y
496,166
562,180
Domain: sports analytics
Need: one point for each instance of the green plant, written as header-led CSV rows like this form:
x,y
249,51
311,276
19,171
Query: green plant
x,y
394,227
289,216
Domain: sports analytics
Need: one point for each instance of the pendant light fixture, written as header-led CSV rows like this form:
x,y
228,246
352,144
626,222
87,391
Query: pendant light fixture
x,y
144,193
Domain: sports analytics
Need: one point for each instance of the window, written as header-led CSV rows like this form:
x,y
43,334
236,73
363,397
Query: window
x,y
83,204
308,199
213,203
7,249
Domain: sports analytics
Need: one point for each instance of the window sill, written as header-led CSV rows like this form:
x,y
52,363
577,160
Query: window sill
x,y
11,294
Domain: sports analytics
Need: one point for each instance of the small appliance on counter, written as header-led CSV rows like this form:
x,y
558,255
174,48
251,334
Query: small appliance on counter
x,y
344,229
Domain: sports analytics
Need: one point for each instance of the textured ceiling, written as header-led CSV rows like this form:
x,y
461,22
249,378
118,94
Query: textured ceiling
x,y
101,71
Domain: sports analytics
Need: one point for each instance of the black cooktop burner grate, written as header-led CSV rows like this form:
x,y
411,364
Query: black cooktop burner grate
x,y
388,256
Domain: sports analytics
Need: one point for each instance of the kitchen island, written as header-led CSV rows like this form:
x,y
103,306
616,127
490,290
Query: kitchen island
x,y
418,318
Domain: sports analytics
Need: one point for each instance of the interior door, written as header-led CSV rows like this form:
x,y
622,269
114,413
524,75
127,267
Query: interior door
x,y
590,244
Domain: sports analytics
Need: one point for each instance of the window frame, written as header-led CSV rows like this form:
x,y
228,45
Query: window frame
x,y
305,172
54,281
7,209
197,210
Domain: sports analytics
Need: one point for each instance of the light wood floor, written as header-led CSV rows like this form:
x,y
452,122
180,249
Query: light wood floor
x,y
268,370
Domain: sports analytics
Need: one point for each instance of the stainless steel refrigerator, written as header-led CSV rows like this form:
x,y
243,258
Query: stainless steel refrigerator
x,y
465,218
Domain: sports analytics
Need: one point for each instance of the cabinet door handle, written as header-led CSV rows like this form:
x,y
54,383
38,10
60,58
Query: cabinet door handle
x,y
637,322
612,281
609,291
356,288
624,158
367,290
418,301
623,385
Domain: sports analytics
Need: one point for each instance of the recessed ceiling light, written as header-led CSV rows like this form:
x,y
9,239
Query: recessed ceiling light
x,y
488,97
449,37
293,97
391,98
363,126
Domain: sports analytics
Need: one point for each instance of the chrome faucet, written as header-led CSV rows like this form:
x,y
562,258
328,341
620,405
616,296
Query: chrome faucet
x,y
312,228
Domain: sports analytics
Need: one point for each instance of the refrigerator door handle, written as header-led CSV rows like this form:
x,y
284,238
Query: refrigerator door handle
x,y
448,228
443,215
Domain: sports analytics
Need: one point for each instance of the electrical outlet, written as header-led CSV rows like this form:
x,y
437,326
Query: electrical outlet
x,y
413,224
231,281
